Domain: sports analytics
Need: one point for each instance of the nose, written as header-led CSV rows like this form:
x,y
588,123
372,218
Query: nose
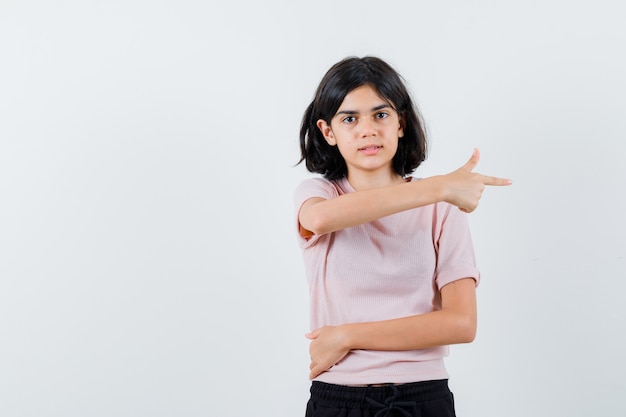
x,y
367,128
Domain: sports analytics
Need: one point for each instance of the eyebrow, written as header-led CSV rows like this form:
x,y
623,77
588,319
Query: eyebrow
x,y
351,112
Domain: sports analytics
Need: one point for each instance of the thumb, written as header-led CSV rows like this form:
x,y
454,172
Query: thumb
x,y
473,161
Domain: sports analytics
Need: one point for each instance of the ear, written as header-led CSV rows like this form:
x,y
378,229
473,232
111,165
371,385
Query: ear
x,y
401,127
327,132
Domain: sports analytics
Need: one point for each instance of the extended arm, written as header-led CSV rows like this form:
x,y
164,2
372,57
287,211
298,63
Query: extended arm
x,y
462,188
454,323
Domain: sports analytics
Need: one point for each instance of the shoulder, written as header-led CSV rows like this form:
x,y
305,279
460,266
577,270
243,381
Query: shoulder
x,y
318,187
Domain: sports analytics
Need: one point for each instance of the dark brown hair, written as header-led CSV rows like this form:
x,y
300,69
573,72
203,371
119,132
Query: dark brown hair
x,y
341,79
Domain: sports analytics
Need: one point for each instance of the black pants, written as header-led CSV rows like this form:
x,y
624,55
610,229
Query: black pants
x,y
423,399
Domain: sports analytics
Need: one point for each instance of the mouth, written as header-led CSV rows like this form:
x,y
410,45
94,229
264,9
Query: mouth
x,y
370,149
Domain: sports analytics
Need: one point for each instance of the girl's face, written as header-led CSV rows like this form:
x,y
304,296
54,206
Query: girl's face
x,y
366,129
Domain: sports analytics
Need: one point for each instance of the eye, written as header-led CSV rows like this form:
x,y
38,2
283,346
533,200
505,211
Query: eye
x,y
382,115
348,119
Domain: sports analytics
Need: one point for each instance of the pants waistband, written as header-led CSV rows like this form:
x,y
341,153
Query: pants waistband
x,y
332,395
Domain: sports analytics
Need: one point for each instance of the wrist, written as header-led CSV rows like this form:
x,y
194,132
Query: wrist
x,y
346,336
439,188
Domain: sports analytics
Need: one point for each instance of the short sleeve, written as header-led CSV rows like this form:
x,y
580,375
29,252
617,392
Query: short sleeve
x,y
455,251
310,188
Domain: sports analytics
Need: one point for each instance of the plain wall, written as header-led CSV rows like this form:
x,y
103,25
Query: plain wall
x,y
148,261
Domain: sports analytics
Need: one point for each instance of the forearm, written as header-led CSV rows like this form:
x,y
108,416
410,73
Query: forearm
x,y
332,343
361,207
461,188
409,333
454,323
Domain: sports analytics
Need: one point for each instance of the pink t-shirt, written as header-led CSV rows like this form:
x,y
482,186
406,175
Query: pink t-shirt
x,y
389,268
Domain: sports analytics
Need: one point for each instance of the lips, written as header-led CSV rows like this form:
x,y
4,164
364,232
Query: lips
x,y
370,149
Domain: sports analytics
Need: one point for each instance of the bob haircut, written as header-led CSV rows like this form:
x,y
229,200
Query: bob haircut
x,y
341,79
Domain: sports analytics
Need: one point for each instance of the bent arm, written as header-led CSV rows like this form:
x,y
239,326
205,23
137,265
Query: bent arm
x,y
454,323
320,216
462,188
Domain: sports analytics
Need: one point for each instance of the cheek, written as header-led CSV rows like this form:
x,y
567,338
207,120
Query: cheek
x,y
395,145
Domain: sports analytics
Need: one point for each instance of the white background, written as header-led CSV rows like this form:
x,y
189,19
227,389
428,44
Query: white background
x,y
148,262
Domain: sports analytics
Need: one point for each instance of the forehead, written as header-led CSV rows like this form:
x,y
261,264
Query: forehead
x,y
361,98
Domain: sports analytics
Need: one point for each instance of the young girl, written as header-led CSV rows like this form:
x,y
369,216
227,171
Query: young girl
x,y
388,258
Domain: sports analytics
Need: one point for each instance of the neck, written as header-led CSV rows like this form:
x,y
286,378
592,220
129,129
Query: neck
x,y
367,180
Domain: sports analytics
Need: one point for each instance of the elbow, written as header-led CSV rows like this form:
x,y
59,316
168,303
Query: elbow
x,y
317,225
465,330
316,217
469,336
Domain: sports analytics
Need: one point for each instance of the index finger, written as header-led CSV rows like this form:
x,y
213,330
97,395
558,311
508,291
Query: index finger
x,y
487,180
